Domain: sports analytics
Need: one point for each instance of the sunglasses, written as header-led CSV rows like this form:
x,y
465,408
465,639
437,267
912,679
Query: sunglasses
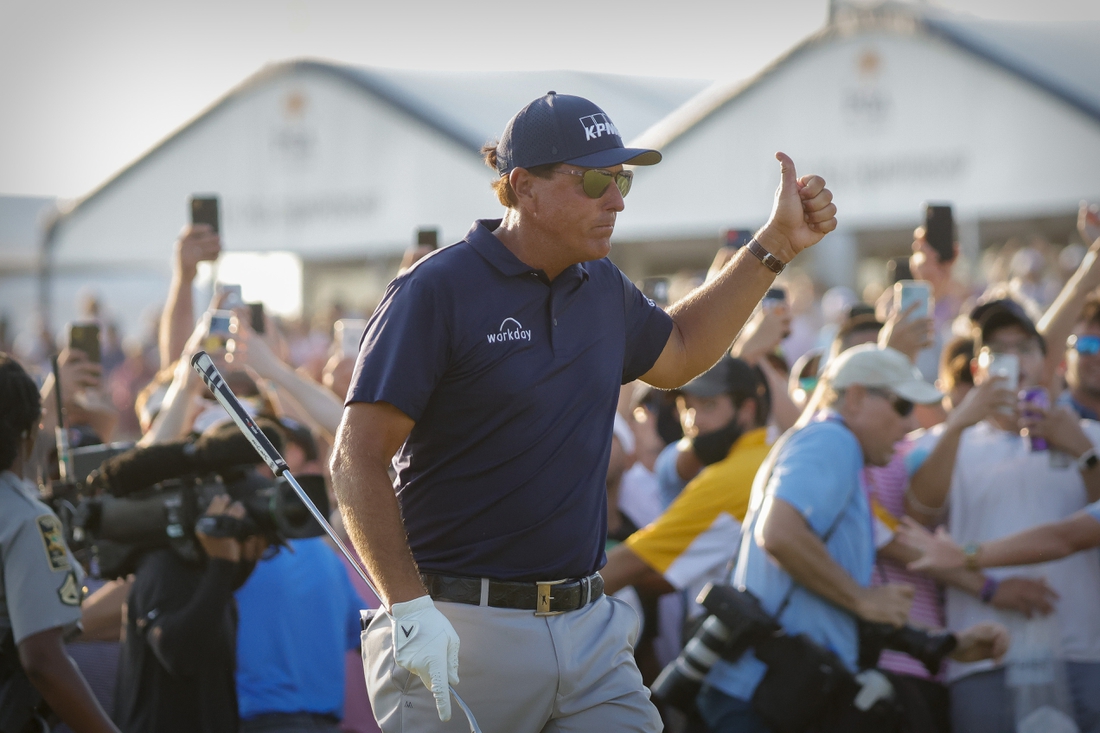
x,y
903,407
595,181
1084,345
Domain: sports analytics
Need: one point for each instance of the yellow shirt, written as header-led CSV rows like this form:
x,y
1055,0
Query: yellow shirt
x,y
697,535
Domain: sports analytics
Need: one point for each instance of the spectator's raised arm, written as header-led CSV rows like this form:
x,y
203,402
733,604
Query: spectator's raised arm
x,y
320,406
197,243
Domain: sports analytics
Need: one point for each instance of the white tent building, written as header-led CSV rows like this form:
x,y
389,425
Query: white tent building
x,y
894,105
335,167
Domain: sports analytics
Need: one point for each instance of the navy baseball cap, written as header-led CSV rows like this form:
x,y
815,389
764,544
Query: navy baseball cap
x,y
560,128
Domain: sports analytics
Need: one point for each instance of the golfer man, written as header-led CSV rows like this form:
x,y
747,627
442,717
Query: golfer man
x,y
489,375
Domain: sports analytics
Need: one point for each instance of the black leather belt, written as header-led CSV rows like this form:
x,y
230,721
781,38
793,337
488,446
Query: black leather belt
x,y
545,599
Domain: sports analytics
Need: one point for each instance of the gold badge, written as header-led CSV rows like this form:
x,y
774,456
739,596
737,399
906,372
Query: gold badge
x,y
70,591
50,528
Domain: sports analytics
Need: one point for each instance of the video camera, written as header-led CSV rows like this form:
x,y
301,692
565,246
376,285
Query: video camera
x,y
155,496
737,621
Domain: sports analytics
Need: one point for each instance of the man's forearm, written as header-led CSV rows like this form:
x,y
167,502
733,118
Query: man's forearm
x,y
931,482
708,319
1044,543
322,406
1057,323
60,683
178,319
625,568
372,517
784,534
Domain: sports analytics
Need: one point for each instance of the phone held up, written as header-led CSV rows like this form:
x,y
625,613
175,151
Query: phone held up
x,y
204,210
85,337
427,238
939,230
907,292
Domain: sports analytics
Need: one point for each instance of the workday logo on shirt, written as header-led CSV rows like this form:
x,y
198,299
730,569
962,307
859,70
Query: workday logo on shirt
x,y
510,330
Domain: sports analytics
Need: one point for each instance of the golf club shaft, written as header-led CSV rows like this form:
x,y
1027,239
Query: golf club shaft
x,y
204,365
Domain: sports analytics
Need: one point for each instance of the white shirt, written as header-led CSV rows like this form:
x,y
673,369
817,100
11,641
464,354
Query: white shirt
x,y
1000,487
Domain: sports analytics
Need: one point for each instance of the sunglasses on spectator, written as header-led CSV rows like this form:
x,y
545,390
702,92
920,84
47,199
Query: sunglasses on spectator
x,y
902,406
1084,345
595,181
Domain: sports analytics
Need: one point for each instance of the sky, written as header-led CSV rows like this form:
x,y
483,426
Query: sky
x,y
87,87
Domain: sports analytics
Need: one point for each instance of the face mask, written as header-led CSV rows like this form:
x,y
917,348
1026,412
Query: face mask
x,y
714,446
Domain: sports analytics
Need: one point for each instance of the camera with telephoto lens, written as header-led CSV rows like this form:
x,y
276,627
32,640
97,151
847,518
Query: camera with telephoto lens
x,y
155,496
736,622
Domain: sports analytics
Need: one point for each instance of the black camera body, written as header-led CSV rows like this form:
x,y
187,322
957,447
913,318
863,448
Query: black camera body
x,y
155,496
120,530
804,681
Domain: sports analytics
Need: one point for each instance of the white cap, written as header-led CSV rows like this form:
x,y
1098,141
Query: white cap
x,y
871,366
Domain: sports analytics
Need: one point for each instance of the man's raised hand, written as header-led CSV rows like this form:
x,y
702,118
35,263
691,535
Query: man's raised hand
x,y
802,213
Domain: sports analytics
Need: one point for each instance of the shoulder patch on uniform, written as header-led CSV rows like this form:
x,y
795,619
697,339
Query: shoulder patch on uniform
x,y
70,591
49,527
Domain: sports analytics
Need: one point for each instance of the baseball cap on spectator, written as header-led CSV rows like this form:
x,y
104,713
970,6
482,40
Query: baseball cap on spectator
x,y
994,314
300,436
561,128
733,377
870,366
861,317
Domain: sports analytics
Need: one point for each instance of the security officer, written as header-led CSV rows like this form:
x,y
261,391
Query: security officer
x,y
40,584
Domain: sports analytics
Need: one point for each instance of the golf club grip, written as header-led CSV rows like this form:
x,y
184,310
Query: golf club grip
x,y
204,365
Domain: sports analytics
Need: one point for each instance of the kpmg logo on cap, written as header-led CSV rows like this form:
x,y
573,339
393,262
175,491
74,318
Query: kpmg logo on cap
x,y
596,125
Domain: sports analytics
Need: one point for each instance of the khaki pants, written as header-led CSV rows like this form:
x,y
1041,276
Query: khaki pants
x,y
521,673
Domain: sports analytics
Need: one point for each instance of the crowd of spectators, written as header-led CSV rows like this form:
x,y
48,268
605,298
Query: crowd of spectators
x,y
679,482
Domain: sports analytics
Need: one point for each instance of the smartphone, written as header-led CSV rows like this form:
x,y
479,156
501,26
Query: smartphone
x,y
218,331
256,317
427,238
1001,365
897,269
85,336
737,238
204,210
907,292
939,230
348,332
231,295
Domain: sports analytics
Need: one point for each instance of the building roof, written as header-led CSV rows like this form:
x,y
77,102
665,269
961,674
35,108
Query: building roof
x,y
1062,59
469,108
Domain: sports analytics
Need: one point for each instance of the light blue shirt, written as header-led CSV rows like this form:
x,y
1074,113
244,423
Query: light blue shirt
x,y
299,614
669,483
818,472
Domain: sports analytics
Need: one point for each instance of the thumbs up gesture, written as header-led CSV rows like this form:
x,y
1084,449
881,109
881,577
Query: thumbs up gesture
x,y
803,213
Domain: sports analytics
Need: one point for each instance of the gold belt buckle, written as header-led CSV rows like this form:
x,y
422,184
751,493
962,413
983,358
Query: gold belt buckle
x,y
542,602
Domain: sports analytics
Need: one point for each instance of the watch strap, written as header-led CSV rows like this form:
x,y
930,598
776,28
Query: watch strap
x,y
770,261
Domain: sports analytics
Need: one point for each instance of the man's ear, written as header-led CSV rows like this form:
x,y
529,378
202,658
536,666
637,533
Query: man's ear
x,y
522,183
974,368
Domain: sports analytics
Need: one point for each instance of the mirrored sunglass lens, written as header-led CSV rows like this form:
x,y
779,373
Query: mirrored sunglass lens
x,y
1088,345
595,182
623,181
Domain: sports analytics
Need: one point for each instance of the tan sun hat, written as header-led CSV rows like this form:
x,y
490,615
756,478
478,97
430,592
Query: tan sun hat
x,y
871,366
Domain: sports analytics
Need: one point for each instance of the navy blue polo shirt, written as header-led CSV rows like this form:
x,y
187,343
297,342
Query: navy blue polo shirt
x,y
512,381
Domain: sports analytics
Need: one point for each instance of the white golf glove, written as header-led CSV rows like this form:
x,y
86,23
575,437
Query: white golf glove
x,y
425,643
